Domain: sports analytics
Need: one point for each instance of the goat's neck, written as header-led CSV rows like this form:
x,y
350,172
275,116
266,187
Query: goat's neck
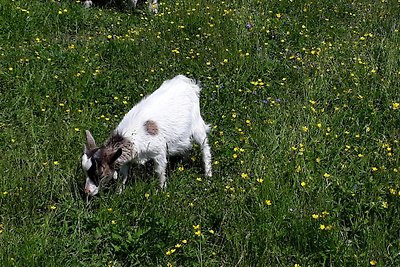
x,y
117,141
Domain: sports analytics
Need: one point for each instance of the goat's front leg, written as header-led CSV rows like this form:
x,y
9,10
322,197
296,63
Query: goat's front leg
x,y
123,172
160,165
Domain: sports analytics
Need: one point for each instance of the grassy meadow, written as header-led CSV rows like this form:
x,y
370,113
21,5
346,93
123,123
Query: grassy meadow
x,y
304,101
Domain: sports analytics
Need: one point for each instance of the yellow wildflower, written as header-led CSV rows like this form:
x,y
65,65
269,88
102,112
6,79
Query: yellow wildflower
x,y
169,252
325,213
198,233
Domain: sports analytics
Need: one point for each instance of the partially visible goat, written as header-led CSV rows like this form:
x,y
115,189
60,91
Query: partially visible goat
x,y
153,4
164,123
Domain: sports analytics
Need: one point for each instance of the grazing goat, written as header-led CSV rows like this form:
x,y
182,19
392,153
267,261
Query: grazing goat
x,y
153,4
162,124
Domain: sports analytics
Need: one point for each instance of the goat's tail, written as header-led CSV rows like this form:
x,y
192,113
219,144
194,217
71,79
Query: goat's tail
x,y
193,84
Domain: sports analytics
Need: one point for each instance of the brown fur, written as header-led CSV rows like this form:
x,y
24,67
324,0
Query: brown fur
x,y
108,158
105,157
115,142
151,127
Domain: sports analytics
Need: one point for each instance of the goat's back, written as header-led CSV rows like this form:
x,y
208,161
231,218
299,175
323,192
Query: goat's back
x,y
174,108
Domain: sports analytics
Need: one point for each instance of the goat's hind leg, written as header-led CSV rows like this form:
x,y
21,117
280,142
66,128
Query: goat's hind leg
x,y
200,137
207,157
160,166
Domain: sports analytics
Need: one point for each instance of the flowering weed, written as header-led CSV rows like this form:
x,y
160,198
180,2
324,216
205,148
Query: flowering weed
x,y
303,98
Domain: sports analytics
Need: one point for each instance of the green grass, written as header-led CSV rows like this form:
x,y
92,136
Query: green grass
x,y
304,100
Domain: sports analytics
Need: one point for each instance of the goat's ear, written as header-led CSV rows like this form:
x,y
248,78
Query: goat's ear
x,y
116,155
90,143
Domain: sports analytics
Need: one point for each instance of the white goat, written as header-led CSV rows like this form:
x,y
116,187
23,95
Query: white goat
x,y
153,4
162,124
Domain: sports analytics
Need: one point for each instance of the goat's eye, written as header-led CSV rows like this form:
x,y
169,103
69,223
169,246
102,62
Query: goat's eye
x,y
100,171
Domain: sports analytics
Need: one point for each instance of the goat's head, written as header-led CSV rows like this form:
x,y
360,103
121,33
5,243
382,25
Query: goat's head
x,y
98,164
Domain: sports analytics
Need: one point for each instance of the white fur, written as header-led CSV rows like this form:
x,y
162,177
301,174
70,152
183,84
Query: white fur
x,y
86,162
175,108
90,188
88,3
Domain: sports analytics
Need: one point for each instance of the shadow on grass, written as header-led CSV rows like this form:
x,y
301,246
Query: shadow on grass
x,y
120,5
137,172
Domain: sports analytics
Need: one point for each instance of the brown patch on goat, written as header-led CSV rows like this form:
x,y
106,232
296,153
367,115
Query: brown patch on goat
x,y
151,127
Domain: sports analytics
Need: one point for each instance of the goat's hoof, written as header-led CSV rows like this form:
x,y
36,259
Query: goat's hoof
x,y
88,3
163,186
120,189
